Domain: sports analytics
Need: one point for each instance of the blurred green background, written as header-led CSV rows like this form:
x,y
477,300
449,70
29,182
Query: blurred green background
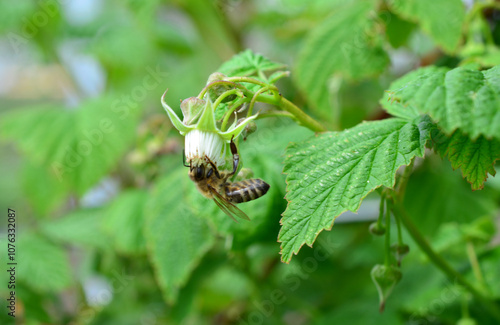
x,y
110,230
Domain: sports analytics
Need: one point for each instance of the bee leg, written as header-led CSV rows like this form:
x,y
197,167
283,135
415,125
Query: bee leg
x,y
236,157
184,159
214,169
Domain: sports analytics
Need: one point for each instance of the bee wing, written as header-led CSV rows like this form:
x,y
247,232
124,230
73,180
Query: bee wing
x,y
226,206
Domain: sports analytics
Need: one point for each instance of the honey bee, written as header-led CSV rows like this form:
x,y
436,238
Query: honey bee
x,y
214,184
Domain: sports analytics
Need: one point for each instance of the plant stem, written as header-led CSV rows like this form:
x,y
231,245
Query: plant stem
x,y
276,99
381,210
254,98
225,94
230,111
440,263
400,233
252,81
299,114
435,258
471,253
403,181
276,114
388,233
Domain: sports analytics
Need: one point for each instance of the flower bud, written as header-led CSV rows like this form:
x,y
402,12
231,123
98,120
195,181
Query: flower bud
x,y
215,91
249,129
376,229
400,251
385,279
191,109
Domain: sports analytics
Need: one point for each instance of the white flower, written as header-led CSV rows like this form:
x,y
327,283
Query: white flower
x,y
204,140
200,145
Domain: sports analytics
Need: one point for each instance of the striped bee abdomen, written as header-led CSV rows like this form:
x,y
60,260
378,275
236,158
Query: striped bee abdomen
x,y
246,190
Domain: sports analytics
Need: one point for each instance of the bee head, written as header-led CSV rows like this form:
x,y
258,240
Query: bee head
x,y
199,172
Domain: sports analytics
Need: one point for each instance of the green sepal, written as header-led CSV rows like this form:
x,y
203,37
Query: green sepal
x,y
235,130
207,119
176,121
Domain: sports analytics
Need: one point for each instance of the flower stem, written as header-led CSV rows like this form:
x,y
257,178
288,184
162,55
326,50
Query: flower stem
x,y
400,213
381,210
471,253
225,94
276,114
252,81
388,233
254,98
299,114
228,114
440,263
275,99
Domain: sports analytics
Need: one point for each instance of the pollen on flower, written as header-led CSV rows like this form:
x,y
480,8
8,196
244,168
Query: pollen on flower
x,y
201,145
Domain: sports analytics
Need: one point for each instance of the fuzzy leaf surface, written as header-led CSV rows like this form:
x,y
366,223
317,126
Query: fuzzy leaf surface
x,y
340,45
429,14
475,158
176,238
331,173
463,99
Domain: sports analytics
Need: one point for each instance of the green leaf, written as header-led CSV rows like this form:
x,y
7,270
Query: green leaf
x,y
42,265
458,98
126,45
11,18
475,158
44,192
176,238
77,146
451,237
343,44
398,31
248,63
331,173
80,227
124,222
429,14
407,111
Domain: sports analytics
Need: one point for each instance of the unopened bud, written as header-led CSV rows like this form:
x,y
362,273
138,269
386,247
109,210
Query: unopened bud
x,y
376,229
400,251
385,279
249,129
215,91
192,108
